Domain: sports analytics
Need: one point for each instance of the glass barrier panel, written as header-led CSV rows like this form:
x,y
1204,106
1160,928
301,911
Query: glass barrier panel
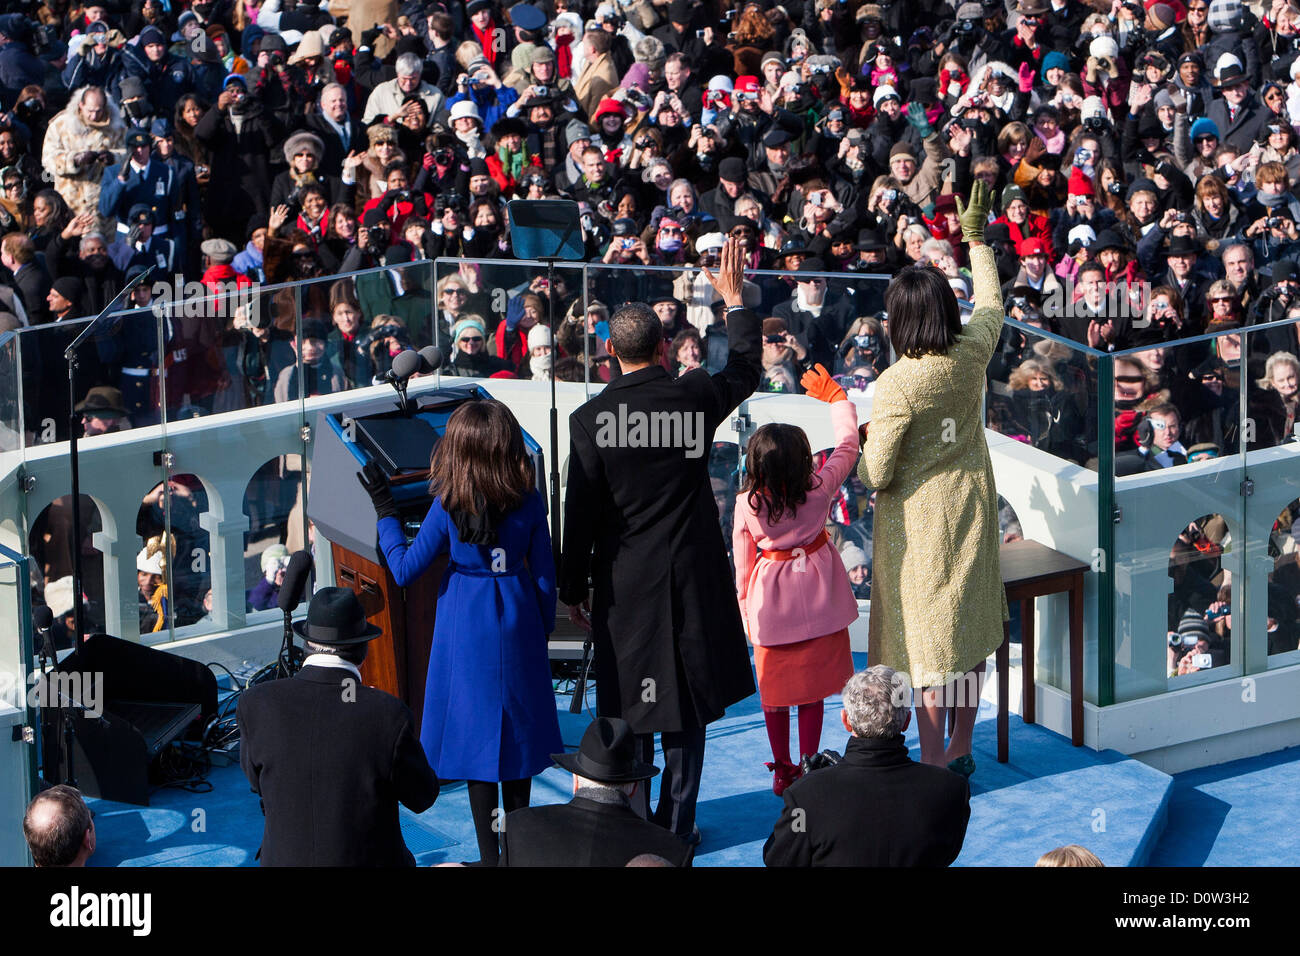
x,y
501,302
1042,390
18,762
11,397
1271,429
1181,537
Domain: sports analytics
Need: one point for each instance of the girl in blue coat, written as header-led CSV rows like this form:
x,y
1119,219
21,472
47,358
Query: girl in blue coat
x,y
489,708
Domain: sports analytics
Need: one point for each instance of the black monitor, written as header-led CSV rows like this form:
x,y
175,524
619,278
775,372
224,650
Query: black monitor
x,y
546,229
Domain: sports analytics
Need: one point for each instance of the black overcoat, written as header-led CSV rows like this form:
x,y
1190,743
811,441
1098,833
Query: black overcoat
x,y
876,807
331,763
585,832
670,648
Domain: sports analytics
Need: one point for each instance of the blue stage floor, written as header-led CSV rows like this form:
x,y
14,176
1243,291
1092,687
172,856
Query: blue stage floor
x,y
1049,794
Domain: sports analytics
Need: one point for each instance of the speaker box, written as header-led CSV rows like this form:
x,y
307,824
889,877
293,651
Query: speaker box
x,y
148,697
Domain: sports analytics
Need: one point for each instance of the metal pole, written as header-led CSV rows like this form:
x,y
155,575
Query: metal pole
x,y
555,420
78,612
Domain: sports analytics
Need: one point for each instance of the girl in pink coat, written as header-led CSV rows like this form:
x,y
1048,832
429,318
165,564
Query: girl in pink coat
x,y
794,592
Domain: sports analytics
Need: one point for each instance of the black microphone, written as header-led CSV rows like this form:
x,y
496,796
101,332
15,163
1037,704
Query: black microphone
x,y
295,580
432,356
406,364
42,618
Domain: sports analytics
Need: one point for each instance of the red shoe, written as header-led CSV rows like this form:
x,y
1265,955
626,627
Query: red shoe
x,y
784,775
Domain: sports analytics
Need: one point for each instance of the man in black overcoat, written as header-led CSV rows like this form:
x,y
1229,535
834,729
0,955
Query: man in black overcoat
x,y
876,807
331,757
670,648
598,827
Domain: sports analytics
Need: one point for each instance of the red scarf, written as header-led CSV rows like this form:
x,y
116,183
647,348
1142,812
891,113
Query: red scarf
x,y
485,41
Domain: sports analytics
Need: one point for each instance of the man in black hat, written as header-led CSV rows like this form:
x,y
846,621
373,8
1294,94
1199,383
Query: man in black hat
x,y
331,757
598,827
1237,114
732,184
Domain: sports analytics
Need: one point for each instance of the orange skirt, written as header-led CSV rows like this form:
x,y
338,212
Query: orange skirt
x,y
803,672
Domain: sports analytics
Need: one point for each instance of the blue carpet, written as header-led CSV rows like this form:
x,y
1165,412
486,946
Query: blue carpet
x,y
1241,813
1048,794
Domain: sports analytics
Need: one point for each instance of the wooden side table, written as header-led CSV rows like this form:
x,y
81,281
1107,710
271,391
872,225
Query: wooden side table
x,y
1031,570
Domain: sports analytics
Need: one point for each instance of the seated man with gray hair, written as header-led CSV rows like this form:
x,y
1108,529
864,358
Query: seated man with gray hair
x,y
876,807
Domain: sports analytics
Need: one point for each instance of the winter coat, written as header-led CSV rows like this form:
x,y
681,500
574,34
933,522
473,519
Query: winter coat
x,y
783,602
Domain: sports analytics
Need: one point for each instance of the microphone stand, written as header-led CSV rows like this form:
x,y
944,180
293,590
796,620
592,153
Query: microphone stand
x,y
70,356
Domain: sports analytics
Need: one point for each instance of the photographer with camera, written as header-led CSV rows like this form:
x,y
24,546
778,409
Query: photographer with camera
x,y
399,201
92,60
481,86
444,167
239,136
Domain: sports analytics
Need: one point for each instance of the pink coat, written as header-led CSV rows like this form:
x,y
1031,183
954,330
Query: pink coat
x,y
783,602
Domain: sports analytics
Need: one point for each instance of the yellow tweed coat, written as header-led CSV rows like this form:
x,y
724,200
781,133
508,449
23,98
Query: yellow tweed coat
x,y
937,602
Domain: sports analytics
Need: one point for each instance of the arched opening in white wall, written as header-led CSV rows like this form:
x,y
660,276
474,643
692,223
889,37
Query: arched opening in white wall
x,y
273,502
184,560
50,542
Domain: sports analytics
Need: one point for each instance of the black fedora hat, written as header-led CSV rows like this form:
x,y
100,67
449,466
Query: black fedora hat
x,y
607,754
1183,246
871,240
335,617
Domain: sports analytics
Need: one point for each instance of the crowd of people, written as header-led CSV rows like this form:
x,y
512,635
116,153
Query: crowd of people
x,y
1142,160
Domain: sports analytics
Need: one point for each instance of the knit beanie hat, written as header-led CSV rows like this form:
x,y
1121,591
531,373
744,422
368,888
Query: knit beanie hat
x,y
538,336
464,325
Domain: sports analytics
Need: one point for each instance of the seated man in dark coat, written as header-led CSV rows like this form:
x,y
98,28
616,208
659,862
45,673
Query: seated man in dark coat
x,y
331,757
875,807
598,827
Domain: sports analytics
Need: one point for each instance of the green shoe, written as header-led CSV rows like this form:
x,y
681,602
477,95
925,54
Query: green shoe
x,y
964,765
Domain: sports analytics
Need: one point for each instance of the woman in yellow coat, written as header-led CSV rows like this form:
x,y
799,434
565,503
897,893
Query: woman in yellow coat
x,y
937,605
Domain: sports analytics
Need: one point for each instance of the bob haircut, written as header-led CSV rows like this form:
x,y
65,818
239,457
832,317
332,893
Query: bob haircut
x,y
481,461
923,315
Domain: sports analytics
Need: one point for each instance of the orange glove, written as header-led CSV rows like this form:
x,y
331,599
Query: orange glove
x,y
821,386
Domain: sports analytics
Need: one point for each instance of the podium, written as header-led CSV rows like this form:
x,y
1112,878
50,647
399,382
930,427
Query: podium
x,y
401,444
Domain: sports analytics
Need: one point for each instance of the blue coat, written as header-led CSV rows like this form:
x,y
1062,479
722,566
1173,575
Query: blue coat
x,y
489,708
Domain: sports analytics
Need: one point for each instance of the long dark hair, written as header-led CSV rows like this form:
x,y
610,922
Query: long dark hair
x,y
480,461
778,470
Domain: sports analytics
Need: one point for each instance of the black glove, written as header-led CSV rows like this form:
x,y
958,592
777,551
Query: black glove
x,y
368,37
375,482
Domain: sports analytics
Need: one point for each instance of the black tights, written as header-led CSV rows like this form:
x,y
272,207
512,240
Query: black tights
x,y
482,803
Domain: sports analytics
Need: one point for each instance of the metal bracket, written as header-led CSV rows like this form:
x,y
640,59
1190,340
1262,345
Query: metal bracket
x,y
741,423
1117,515
23,734
27,483
1246,488
164,459
305,434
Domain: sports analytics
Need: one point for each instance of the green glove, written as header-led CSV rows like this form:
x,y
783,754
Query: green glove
x,y
975,215
916,117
